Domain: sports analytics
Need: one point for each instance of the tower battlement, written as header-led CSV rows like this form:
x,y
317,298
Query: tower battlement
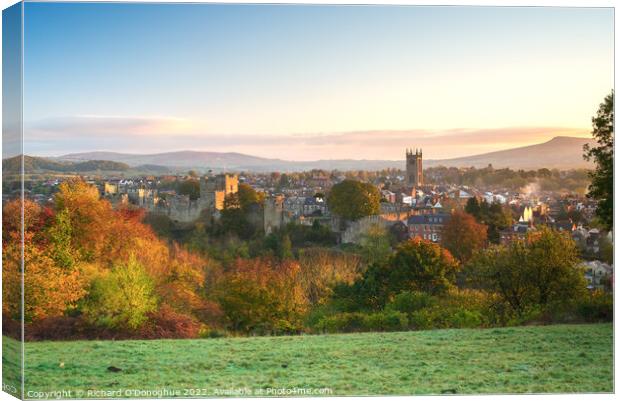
x,y
410,152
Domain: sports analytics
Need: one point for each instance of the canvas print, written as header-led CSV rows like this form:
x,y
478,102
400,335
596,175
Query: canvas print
x,y
283,200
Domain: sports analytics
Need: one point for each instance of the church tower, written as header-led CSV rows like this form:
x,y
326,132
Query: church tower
x,y
414,168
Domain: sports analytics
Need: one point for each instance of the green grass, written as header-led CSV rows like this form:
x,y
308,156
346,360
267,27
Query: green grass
x,y
560,358
11,366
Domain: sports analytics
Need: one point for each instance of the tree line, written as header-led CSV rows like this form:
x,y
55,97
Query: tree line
x,y
92,271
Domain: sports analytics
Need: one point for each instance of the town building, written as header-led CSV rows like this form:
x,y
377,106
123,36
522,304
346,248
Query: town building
x,y
427,226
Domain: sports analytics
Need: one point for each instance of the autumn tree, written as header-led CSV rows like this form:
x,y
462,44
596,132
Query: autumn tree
x,y
181,284
602,185
262,296
88,216
353,200
321,270
463,236
81,255
50,288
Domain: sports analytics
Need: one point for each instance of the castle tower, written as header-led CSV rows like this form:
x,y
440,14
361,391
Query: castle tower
x,y
273,217
213,190
203,187
414,168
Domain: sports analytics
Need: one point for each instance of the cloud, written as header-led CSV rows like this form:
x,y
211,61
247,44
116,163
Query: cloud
x,y
164,134
69,126
386,144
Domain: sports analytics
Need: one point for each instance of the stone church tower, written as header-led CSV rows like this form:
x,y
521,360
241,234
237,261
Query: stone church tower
x,y
414,168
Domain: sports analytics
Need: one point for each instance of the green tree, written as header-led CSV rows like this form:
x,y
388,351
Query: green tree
x,y
190,188
541,271
420,265
473,207
602,186
493,215
284,182
285,248
122,298
353,200
234,219
496,218
59,234
375,245
417,265
606,250
248,196
279,244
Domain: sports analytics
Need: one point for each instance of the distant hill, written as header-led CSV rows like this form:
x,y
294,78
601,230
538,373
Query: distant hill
x,y
560,152
180,159
39,164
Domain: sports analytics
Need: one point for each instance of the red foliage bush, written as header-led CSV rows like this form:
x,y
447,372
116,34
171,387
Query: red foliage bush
x,y
11,328
164,323
53,328
168,323
212,314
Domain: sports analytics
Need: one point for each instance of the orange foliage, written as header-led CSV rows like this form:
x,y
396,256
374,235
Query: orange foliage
x,y
183,282
64,255
263,296
49,290
463,235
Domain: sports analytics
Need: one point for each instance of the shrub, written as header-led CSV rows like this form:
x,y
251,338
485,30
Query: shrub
x,y
211,314
387,321
348,322
456,309
438,317
410,301
318,313
52,328
531,315
352,322
168,323
598,307
207,332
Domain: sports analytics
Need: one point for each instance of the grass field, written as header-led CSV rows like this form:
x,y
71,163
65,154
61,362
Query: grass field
x,y
560,358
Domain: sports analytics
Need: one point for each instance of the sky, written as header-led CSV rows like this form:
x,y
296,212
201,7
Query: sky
x,y
310,82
